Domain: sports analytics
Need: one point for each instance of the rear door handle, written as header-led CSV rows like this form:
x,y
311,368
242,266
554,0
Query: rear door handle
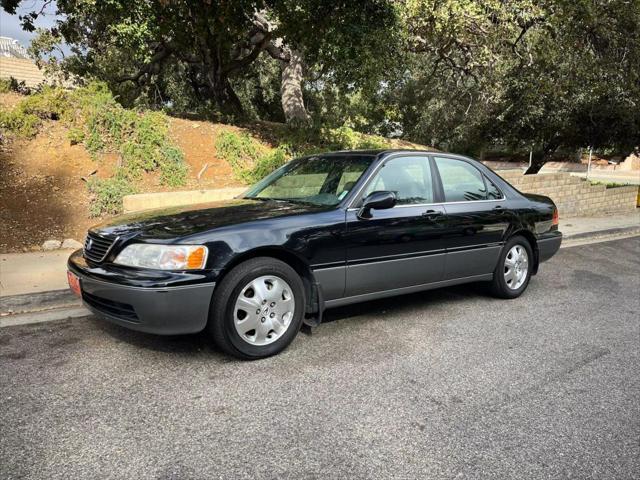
x,y
432,214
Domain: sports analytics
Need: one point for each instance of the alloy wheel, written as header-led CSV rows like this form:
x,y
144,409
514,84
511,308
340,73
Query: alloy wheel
x,y
516,267
263,310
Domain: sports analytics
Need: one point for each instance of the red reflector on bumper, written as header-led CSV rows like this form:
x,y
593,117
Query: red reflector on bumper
x,y
74,283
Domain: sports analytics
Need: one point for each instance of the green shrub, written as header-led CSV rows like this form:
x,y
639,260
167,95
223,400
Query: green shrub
x,y
12,85
107,194
266,164
75,135
248,160
49,103
5,85
373,142
345,138
173,169
239,150
341,138
19,123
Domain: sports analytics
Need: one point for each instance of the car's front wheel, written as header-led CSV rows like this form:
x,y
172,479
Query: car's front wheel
x,y
257,309
513,272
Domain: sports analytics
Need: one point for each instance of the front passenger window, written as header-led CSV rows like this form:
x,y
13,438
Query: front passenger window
x,y
408,177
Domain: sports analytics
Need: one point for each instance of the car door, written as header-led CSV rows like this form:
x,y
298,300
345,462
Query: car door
x,y
476,218
401,246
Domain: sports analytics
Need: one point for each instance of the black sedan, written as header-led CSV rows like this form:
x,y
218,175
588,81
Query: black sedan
x,y
320,232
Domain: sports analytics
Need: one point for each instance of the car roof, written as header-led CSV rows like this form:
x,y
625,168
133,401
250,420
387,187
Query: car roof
x,y
383,152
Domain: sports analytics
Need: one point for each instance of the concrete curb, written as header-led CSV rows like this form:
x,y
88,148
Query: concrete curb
x,y
63,304
44,316
33,302
604,233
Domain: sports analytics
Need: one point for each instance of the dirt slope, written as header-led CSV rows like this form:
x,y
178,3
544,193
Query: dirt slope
x,y
43,191
43,194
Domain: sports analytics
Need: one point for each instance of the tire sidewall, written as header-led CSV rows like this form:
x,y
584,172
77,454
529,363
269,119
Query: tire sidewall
x,y
276,268
499,273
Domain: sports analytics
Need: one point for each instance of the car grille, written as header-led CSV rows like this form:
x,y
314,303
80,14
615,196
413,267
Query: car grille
x,y
109,307
96,247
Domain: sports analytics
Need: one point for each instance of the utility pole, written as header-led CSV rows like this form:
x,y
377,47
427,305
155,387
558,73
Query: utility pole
x,y
589,164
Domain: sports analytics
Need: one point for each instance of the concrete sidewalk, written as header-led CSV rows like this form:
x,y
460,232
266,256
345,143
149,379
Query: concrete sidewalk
x,y
33,277
574,228
22,273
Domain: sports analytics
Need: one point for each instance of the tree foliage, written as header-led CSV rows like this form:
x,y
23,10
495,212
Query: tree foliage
x,y
465,75
163,48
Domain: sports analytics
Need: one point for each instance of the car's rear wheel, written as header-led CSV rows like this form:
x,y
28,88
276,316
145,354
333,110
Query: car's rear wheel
x,y
257,309
513,272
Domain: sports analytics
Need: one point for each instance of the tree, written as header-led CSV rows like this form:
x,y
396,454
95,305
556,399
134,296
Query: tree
x,y
212,42
548,74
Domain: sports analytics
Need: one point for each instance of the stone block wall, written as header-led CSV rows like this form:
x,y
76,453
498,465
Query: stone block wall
x,y
574,196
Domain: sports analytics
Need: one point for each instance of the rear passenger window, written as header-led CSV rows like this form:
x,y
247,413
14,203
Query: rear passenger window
x,y
461,181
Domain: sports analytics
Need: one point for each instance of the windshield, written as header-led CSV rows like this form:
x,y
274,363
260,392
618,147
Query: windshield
x,y
321,179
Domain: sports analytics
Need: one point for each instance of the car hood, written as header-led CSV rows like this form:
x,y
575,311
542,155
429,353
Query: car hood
x,y
176,222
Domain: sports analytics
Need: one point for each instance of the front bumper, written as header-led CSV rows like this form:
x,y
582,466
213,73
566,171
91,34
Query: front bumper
x,y
167,305
549,245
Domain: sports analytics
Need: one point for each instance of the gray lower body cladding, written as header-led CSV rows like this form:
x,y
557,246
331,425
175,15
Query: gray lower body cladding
x,y
548,247
165,311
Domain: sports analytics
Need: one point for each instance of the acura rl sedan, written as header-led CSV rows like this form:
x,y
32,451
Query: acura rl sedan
x,y
320,232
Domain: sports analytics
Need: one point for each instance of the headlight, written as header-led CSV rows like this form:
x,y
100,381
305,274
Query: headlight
x,y
164,257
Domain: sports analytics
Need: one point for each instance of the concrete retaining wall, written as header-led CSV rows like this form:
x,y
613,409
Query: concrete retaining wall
x,y
22,70
148,201
573,195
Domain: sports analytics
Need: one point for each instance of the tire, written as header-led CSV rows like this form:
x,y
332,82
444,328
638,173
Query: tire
x,y
507,282
245,299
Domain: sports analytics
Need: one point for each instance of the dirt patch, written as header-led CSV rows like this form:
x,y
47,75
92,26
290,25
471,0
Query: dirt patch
x,y
196,139
42,192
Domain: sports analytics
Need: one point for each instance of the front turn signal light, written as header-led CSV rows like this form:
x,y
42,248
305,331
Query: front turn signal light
x,y
197,258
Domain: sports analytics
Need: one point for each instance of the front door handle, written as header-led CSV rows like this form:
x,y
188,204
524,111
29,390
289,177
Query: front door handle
x,y
432,214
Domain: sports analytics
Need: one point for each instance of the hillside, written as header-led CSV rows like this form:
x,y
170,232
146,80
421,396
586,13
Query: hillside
x,y
43,183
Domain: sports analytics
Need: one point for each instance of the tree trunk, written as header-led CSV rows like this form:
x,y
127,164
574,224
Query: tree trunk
x,y
224,96
291,90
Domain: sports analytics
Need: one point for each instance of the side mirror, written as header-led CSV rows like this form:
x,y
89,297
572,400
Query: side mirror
x,y
377,201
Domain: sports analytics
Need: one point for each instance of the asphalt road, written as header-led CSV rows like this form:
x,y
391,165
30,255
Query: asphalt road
x,y
443,384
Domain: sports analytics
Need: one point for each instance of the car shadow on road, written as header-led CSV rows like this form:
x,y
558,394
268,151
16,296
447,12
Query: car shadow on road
x,y
201,344
190,344
397,304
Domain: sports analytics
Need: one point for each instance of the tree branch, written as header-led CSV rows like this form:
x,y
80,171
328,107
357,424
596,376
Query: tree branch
x,y
243,62
163,51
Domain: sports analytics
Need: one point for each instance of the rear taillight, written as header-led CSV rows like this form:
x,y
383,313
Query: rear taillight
x,y
556,218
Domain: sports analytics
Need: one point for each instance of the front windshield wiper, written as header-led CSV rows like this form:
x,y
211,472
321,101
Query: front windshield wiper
x,y
262,199
290,200
294,200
